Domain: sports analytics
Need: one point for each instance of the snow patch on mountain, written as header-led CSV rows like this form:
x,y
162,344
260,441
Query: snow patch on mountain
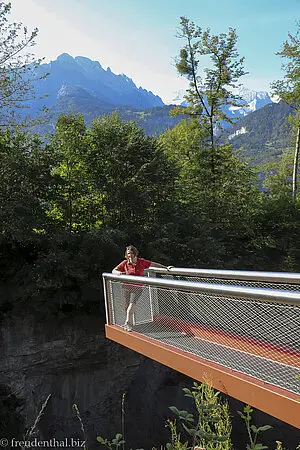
x,y
251,100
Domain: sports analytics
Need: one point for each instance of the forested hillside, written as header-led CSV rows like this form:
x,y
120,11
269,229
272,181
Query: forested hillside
x,y
264,134
153,121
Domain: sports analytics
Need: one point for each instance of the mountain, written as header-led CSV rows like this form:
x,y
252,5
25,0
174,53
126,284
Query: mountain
x,y
87,78
80,85
262,134
74,99
251,101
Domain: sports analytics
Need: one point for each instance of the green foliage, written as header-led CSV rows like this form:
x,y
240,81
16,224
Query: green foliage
x,y
60,272
153,121
278,181
209,92
288,91
16,66
23,174
69,207
211,429
115,443
212,213
279,446
252,430
277,237
75,199
175,443
134,176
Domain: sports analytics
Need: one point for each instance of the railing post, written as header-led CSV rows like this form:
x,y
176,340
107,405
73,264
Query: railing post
x,y
108,300
152,295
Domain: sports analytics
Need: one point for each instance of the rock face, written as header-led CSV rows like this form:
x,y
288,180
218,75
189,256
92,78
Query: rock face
x,y
73,361
88,77
75,364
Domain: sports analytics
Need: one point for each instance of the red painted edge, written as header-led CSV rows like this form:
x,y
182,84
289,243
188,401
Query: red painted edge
x,y
273,400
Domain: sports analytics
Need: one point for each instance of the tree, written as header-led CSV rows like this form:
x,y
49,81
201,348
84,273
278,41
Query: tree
x,y
16,66
73,197
212,89
132,175
288,91
24,177
220,222
278,175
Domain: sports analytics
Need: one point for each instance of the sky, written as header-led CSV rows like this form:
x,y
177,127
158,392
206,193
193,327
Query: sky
x,y
138,37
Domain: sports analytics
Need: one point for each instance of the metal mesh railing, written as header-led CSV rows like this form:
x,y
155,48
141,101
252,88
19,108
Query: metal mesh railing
x,y
257,338
268,280
229,282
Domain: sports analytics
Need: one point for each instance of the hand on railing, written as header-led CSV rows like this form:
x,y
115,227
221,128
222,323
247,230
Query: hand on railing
x,y
117,272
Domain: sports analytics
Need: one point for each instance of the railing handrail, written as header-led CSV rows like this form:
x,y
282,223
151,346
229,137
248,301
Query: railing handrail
x,y
261,294
247,275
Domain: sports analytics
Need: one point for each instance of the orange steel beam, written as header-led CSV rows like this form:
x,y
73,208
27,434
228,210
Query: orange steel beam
x,y
277,402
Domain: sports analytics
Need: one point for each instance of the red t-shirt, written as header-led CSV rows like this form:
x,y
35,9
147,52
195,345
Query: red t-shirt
x,y
137,269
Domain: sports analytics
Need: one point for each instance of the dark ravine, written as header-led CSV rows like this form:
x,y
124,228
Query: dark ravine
x,y
73,361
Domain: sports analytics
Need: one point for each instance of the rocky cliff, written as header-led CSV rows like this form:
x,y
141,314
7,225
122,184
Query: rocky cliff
x,y
73,361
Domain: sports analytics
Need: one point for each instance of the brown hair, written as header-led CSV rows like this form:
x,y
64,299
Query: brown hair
x,y
131,248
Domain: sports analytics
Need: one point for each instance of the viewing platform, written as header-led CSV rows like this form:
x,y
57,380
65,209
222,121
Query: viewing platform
x,y
238,330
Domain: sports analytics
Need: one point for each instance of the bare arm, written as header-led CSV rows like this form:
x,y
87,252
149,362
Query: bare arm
x,y
119,269
155,264
115,271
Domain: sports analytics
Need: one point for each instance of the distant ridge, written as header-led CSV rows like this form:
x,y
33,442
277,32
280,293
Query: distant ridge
x,y
251,101
80,85
262,134
82,73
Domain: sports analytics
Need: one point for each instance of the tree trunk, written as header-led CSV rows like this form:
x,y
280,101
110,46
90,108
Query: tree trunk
x,y
212,148
295,167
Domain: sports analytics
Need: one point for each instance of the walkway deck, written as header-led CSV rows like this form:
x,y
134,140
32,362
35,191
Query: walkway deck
x,y
245,344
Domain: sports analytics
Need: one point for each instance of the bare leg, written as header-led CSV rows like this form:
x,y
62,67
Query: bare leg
x,y
130,303
127,300
129,314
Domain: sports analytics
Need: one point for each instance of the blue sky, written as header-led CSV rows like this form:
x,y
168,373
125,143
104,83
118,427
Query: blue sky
x,y
138,37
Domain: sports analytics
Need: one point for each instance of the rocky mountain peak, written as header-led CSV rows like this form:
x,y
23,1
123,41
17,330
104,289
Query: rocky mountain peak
x,y
251,100
90,76
65,58
88,64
